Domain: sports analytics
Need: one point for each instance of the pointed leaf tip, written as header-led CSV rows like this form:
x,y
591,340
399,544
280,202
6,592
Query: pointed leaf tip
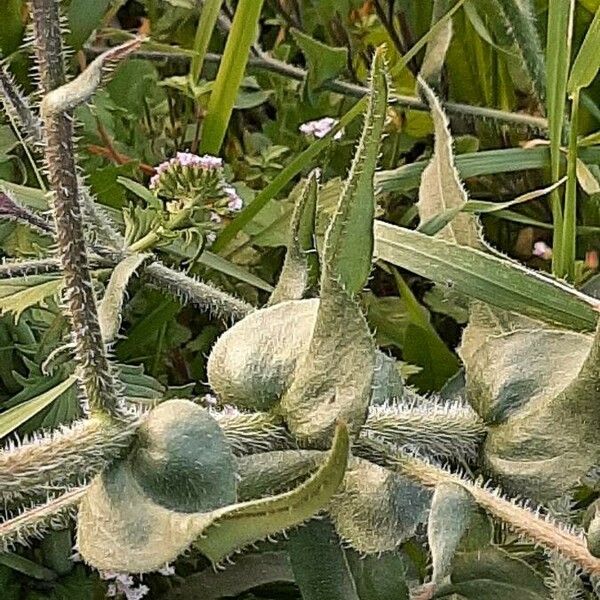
x,y
349,238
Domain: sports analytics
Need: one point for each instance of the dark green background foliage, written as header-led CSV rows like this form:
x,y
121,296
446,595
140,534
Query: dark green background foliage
x,y
151,108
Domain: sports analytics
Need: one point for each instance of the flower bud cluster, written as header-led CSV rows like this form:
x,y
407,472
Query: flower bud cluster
x,y
192,182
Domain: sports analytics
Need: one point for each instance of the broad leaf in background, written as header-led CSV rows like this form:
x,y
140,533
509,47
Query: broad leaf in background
x,y
499,282
441,189
324,62
319,563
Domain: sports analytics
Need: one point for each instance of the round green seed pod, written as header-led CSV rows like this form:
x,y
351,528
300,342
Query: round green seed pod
x,y
536,388
252,363
182,460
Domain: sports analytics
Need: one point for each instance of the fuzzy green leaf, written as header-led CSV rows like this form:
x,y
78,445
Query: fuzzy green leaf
x,y
497,281
300,268
451,510
111,305
242,524
349,238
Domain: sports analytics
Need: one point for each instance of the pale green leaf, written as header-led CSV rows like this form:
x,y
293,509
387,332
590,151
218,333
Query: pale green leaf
x,y
111,305
441,189
497,281
451,510
437,46
587,62
20,293
16,416
300,267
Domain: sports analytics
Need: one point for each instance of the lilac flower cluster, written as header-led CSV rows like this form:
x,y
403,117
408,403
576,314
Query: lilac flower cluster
x,y
185,159
123,584
198,184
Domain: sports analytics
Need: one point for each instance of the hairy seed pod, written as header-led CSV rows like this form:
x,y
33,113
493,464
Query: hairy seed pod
x,y
182,459
255,374
375,509
536,387
124,524
252,363
592,525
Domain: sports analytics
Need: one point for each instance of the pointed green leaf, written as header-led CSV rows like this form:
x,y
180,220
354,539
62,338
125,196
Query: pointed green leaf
x,y
111,305
349,238
16,416
20,293
300,267
587,62
497,281
441,190
236,526
451,510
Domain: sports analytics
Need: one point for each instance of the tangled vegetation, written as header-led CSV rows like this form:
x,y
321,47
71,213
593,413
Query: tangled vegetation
x,y
252,319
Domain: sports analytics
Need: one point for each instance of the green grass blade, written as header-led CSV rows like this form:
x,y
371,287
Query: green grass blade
x,y
473,164
231,72
206,25
586,64
487,277
558,54
569,237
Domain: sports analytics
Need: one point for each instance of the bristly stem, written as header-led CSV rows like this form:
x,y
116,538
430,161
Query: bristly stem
x,y
519,518
90,353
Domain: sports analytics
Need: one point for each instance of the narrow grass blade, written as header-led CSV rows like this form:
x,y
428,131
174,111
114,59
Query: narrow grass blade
x,y
242,35
206,25
16,416
558,55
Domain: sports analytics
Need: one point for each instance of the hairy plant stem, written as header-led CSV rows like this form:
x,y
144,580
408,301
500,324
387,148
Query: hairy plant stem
x,y
61,459
57,513
520,519
94,370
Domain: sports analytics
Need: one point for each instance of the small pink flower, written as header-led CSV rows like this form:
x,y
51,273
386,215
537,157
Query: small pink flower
x,y
235,202
542,250
321,127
